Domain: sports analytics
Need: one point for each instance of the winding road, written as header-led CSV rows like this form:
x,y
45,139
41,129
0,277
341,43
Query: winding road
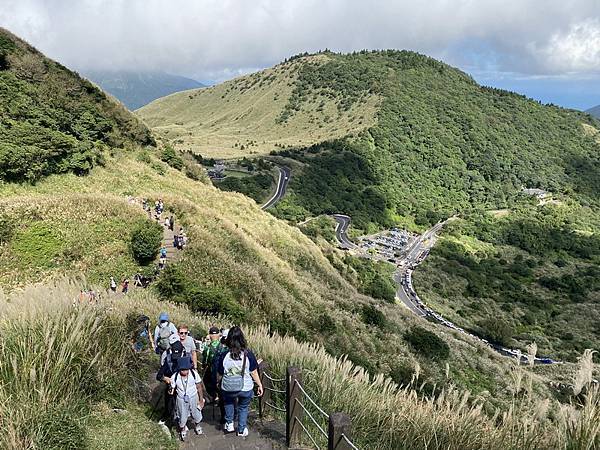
x,y
416,252
341,229
284,178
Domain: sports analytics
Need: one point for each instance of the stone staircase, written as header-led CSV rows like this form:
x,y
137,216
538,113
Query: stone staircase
x,y
263,435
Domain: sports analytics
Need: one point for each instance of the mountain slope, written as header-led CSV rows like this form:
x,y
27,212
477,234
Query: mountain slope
x,y
52,120
439,145
136,89
250,115
595,111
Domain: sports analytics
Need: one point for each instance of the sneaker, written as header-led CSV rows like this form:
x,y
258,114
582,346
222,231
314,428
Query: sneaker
x,y
183,433
243,433
229,428
198,429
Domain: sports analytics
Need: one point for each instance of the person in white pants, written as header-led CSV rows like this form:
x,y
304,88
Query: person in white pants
x,y
187,384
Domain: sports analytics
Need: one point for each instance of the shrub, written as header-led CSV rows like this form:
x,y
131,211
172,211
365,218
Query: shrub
x,y
497,331
193,171
427,343
170,156
372,316
145,241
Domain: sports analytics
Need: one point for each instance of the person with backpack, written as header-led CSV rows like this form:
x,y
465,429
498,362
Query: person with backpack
x,y
211,350
141,334
186,385
113,284
238,371
163,330
169,363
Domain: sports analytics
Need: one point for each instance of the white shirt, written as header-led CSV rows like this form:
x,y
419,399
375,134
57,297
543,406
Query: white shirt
x,y
186,385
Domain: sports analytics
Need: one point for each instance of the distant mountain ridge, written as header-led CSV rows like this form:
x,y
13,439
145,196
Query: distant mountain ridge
x,y
136,89
595,111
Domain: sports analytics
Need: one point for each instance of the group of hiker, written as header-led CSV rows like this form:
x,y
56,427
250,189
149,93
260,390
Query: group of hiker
x,y
180,240
218,370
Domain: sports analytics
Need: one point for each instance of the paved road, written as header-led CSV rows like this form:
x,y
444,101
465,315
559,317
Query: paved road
x,y
341,231
284,178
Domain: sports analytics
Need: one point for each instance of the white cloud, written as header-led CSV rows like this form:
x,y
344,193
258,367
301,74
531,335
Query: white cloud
x,y
215,39
576,50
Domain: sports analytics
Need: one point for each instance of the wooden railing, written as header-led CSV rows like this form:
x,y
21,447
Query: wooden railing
x,y
300,410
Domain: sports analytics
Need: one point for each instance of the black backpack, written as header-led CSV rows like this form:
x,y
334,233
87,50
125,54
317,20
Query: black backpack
x,y
169,367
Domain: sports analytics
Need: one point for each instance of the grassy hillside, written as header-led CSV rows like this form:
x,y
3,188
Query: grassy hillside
x,y
240,260
440,145
52,120
88,369
257,113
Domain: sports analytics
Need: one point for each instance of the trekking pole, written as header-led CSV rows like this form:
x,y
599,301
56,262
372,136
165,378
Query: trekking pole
x,y
160,397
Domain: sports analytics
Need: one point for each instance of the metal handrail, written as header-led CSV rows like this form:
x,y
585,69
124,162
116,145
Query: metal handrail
x,y
274,380
312,418
307,433
278,391
276,408
311,400
305,410
349,442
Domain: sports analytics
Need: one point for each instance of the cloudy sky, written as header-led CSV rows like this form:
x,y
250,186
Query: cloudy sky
x,y
547,49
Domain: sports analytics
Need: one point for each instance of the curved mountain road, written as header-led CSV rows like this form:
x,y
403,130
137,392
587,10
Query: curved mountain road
x,y
284,178
341,229
415,254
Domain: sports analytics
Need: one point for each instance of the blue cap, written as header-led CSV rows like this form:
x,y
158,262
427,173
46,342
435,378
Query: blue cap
x,y
163,316
184,363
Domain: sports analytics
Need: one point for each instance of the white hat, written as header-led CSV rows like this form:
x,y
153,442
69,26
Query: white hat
x,y
173,338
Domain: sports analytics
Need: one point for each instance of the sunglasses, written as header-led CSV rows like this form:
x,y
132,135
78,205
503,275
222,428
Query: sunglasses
x,y
183,332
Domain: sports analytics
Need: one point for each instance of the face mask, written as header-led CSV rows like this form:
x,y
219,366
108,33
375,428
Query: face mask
x,y
163,324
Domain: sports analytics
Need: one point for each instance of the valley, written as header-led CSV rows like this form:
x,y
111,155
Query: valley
x,y
362,216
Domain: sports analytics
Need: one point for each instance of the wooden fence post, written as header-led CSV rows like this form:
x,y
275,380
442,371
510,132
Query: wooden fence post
x,y
293,409
263,368
339,423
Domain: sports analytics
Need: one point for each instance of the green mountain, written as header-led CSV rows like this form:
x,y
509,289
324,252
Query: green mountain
x,y
595,111
435,144
136,89
52,120
76,227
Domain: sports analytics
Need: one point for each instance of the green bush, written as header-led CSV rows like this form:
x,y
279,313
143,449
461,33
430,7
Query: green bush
x,y
427,343
498,331
372,316
145,241
171,157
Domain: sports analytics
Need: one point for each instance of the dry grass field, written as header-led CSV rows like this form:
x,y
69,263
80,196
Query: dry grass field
x,y
240,117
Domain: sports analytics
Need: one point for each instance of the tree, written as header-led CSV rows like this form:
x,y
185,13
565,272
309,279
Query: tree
x,y
145,241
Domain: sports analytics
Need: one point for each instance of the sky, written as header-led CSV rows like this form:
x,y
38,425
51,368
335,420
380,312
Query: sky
x,y
546,49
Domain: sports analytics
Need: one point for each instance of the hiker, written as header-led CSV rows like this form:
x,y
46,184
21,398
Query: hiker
x,y
113,284
238,371
162,261
141,334
137,280
163,252
175,241
163,330
167,223
171,223
180,240
186,384
211,350
168,367
125,288
188,343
